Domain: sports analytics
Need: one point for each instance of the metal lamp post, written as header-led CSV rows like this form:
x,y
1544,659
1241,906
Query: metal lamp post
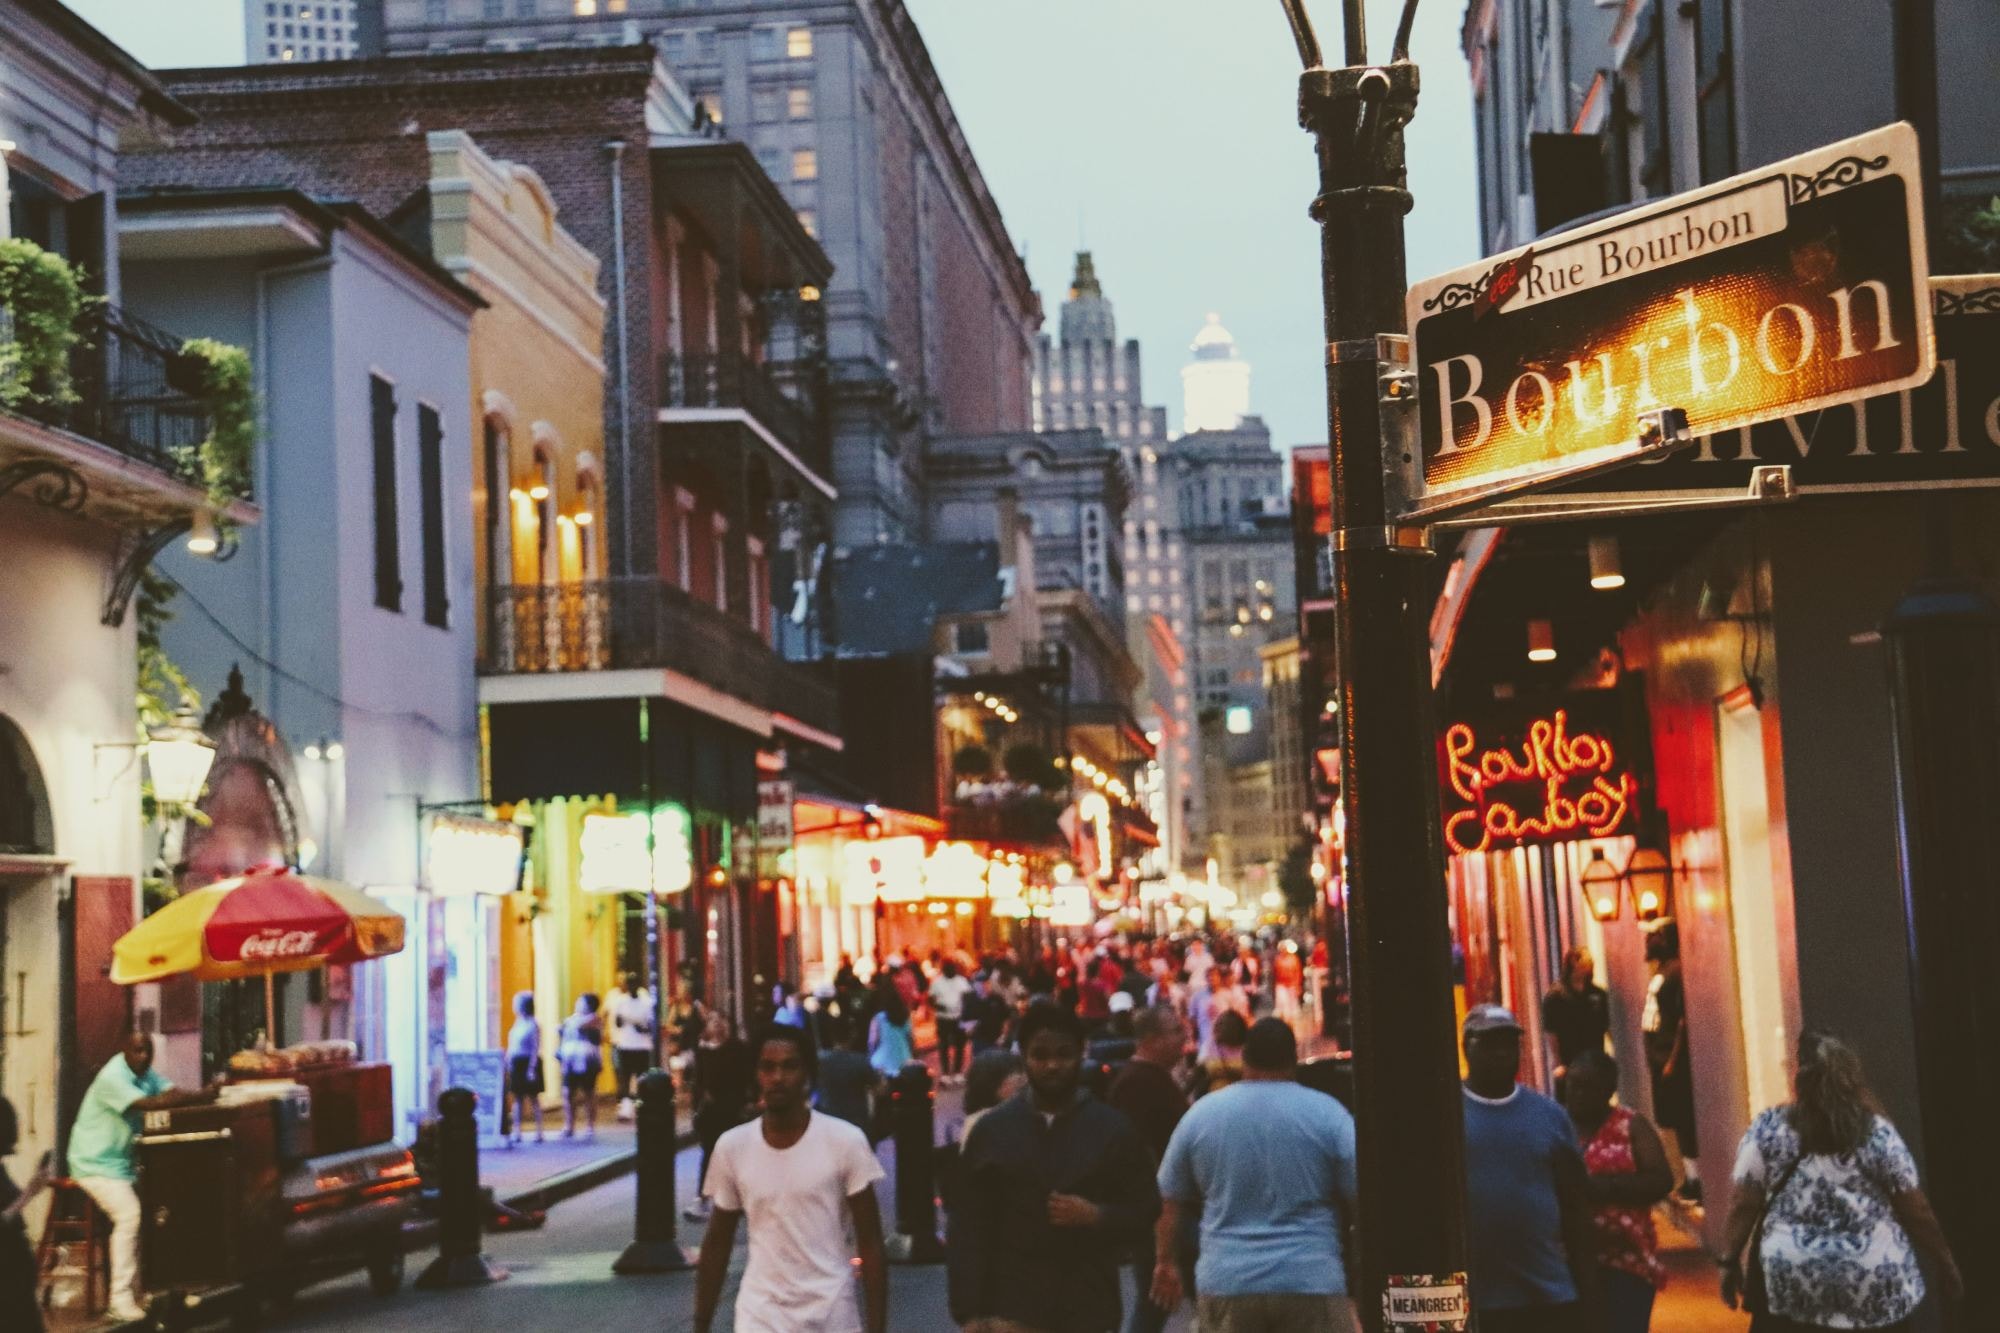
x,y
1407,1100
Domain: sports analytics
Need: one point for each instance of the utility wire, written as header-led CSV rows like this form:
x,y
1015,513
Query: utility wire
x,y
423,719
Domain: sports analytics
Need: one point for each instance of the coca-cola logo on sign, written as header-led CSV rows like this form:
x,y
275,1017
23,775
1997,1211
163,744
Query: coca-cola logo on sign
x,y
279,944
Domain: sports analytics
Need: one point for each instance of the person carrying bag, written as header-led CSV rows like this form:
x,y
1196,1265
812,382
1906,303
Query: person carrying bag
x,y
1828,1206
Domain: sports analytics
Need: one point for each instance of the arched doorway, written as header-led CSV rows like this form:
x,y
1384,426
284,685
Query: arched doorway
x,y
26,828
30,939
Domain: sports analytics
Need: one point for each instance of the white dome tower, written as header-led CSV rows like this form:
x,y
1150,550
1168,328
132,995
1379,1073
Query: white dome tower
x,y
1215,386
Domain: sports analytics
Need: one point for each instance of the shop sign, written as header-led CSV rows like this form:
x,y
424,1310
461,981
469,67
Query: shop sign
x,y
1425,1302
464,855
774,813
484,1075
1551,777
614,853
955,870
1005,881
1312,526
1069,905
1783,291
888,870
1945,433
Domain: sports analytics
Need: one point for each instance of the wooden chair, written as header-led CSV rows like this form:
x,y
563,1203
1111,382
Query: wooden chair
x,y
74,1220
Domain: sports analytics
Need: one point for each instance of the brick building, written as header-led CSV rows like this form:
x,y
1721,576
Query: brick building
x,y
930,314
657,683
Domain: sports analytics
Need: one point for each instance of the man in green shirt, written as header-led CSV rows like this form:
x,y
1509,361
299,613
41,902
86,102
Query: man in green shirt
x,y
101,1159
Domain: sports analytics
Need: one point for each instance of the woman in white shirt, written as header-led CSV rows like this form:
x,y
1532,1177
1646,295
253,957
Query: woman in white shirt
x,y
1828,1202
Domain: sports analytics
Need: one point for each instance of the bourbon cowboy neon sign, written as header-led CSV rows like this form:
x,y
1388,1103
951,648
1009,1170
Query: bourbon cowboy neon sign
x,y
1554,785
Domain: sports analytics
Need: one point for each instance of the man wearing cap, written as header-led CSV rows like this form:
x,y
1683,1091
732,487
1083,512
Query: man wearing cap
x,y
1526,1213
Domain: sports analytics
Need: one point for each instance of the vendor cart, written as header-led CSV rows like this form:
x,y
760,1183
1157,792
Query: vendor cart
x,y
268,1183
285,1169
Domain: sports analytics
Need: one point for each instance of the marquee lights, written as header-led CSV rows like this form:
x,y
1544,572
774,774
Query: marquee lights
x,y
1554,785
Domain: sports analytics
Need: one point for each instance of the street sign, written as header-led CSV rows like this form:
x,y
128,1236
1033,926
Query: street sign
x,y
1784,291
1945,433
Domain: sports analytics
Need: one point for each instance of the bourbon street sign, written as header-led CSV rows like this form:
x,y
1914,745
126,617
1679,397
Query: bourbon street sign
x,y
1945,433
1779,292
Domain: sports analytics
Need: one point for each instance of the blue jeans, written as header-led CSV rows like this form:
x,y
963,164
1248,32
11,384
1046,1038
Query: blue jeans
x,y
1628,1301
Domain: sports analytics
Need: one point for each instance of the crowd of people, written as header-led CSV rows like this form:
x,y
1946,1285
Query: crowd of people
x,y
1138,1106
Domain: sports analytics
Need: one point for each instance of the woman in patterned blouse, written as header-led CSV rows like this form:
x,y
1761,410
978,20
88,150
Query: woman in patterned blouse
x,y
1845,1216
1628,1175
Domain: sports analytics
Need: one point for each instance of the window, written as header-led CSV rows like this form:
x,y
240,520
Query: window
x,y
673,47
434,11
799,43
764,105
585,8
548,554
719,558
771,158
709,104
499,504
388,546
496,9
810,221
705,44
430,479
684,540
766,43
760,587
805,164
1651,132
587,508
799,103
1715,94
971,638
525,8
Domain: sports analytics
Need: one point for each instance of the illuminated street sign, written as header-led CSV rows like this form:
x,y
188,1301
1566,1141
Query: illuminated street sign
x,y
1783,291
613,853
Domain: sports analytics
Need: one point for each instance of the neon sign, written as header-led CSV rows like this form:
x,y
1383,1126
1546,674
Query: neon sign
x,y
1548,785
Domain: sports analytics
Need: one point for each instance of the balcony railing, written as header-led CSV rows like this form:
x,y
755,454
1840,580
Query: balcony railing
x,y
646,623
782,395
131,389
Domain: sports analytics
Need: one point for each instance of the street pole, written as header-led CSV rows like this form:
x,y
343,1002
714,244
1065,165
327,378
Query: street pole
x,y
1407,1105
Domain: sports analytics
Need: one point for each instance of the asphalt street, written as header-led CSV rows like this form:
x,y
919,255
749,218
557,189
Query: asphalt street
x,y
561,1277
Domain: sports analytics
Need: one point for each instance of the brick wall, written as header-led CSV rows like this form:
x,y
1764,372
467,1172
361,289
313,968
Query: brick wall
x,y
355,130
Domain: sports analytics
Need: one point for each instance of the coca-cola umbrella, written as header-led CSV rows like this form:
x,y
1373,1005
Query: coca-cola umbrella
x,y
268,921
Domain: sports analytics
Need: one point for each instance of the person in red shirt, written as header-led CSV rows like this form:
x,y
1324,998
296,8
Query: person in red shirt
x,y
1094,996
1288,980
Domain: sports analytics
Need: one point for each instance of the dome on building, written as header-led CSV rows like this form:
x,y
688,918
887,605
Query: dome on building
x,y
1213,342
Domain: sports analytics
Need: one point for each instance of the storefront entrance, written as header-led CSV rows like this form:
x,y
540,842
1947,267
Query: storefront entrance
x,y
1747,851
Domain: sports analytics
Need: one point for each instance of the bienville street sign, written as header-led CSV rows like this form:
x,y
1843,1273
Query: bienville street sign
x,y
1770,295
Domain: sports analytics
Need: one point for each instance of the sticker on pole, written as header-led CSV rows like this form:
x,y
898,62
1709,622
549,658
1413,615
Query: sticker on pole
x,y
1422,1301
1782,291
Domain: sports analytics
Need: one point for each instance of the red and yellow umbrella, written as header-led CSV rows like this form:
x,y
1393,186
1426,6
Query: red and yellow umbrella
x,y
257,924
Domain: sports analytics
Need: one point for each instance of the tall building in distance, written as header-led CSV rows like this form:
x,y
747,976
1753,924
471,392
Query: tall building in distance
x,y
1089,378
275,31
930,317
1215,385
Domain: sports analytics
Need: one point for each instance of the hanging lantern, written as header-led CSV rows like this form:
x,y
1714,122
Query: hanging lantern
x,y
1651,876
1541,641
1602,885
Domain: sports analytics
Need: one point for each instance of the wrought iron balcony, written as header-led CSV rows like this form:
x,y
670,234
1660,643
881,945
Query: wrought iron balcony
x,y
625,623
131,389
782,395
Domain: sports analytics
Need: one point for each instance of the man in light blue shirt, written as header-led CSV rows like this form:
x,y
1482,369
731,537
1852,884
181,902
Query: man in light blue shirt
x,y
1270,1164
101,1159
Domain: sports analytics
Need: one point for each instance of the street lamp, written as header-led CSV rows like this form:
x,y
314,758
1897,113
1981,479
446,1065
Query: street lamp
x,y
179,754
1602,886
1650,874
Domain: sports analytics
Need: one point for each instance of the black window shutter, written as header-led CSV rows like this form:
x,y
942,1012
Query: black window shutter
x,y
430,464
388,544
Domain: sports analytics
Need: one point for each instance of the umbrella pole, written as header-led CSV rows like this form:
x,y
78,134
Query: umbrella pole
x,y
270,1010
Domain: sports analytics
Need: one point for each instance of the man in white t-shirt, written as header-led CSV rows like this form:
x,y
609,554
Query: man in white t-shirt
x,y
632,1026
948,994
806,1182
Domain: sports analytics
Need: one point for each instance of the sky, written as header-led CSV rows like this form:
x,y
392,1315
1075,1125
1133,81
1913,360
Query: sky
x,y
1160,134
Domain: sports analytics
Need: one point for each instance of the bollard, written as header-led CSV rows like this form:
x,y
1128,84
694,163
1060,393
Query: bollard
x,y
461,1203
912,1118
654,1248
